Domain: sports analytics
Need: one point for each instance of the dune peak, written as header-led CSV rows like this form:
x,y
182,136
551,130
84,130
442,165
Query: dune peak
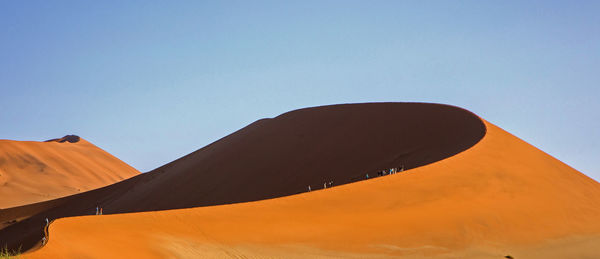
x,y
66,138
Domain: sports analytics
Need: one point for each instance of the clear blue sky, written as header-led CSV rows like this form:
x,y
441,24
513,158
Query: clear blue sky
x,y
150,81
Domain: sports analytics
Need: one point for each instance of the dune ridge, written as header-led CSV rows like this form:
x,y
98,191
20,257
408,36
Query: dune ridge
x,y
66,138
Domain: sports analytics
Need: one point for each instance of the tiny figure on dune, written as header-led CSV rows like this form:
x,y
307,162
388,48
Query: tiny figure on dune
x,y
97,210
367,176
100,210
309,188
45,231
325,185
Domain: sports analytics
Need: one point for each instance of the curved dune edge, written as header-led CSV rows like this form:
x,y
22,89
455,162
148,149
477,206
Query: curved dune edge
x,y
32,171
500,197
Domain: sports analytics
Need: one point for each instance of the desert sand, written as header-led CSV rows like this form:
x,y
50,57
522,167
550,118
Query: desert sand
x,y
471,190
501,197
272,158
32,171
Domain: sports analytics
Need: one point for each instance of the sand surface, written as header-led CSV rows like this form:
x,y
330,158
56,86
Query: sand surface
x,y
501,197
32,171
272,158
472,191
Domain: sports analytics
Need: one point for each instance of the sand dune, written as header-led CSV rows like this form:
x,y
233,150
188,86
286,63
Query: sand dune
x,y
33,171
272,158
469,193
501,197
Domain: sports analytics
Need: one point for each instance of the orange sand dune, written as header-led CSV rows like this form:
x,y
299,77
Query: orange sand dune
x,y
33,171
500,197
271,158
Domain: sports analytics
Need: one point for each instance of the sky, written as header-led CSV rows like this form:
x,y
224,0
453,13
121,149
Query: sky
x,y
151,81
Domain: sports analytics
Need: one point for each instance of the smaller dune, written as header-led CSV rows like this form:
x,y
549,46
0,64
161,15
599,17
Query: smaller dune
x,y
32,171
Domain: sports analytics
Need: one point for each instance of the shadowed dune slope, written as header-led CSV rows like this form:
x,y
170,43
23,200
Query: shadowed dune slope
x,y
272,158
501,197
33,171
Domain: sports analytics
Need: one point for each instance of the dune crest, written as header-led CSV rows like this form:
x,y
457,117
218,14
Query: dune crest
x,y
66,138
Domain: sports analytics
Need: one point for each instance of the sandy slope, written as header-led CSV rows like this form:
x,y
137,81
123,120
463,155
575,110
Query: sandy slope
x,y
33,171
272,158
500,197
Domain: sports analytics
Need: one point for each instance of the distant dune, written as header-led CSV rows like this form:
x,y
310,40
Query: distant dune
x,y
33,171
471,190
